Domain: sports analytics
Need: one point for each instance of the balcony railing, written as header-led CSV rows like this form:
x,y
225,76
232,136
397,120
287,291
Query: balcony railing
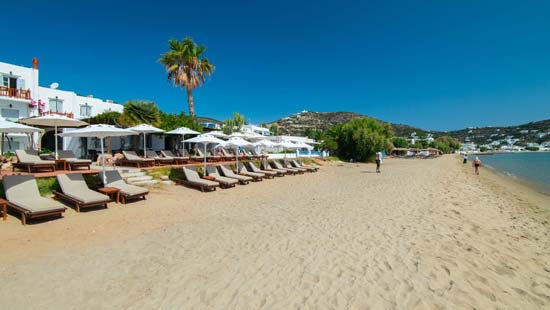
x,y
67,114
15,93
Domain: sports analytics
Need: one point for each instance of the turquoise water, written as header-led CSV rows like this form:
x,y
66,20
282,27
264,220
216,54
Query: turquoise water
x,y
531,167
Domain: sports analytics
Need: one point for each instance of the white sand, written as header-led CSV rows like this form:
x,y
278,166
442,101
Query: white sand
x,y
424,234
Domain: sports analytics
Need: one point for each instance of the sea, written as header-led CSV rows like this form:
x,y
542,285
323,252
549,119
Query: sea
x,y
530,167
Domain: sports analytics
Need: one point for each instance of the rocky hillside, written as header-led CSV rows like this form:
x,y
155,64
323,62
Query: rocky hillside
x,y
298,123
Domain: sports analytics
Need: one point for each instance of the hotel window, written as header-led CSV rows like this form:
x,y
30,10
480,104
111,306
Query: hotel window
x,y
85,110
10,114
56,105
5,81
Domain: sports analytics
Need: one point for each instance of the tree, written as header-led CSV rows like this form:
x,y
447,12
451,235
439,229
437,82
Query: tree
x,y
274,129
400,142
446,144
170,121
109,118
359,139
140,112
233,124
186,67
239,120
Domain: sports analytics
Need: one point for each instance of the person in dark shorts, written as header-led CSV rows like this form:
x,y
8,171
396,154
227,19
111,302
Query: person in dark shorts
x,y
378,161
477,164
465,158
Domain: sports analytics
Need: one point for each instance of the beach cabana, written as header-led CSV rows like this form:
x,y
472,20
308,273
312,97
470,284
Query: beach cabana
x,y
100,131
145,129
55,121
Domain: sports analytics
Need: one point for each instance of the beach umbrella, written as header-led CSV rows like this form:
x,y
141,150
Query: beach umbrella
x,y
145,129
218,134
100,131
183,131
55,121
204,139
287,145
7,127
237,142
265,143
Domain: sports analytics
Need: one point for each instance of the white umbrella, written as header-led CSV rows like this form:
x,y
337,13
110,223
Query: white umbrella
x,y
204,139
183,131
218,134
265,143
100,131
145,129
237,135
287,145
237,142
55,121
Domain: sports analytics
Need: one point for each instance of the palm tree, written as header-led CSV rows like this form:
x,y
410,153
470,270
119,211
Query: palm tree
x,y
186,67
138,112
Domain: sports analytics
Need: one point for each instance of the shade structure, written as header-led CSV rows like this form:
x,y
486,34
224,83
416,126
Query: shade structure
x,y
7,127
100,131
218,134
55,121
204,139
265,143
287,145
236,142
237,135
183,131
145,129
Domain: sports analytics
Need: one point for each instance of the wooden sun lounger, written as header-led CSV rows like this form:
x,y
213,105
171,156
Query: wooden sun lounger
x,y
241,169
194,158
280,172
127,191
75,190
29,160
225,182
159,161
228,172
192,178
295,164
309,167
176,159
72,161
287,165
23,196
278,165
131,158
268,174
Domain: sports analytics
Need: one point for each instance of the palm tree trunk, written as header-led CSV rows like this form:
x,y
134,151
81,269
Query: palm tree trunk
x,y
190,102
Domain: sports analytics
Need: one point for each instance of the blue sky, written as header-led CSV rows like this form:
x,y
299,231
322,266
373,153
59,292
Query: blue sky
x,y
439,65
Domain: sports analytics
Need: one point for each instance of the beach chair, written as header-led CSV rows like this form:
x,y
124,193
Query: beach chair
x,y
225,182
176,159
227,156
258,155
159,161
131,158
294,163
302,165
75,190
127,191
264,165
23,196
192,178
268,174
214,157
228,172
195,158
72,161
29,160
241,169
277,165
287,165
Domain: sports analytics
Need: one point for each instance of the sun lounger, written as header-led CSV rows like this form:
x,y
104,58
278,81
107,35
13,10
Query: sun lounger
x,y
225,182
265,166
159,160
277,165
75,190
268,174
258,155
300,164
192,178
23,196
241,169
131,158
176,159
29,160
228,172
287,165
192,157
72,161
227,156
127,191
296,165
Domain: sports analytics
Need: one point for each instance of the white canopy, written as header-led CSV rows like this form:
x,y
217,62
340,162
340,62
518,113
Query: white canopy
x,y
303,145
55,121
204,139
11,127
265,143
183,131
236,142
218,134
145,129
99,131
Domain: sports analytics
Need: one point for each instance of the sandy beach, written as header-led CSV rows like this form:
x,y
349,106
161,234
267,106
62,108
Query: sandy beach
x,y
424,234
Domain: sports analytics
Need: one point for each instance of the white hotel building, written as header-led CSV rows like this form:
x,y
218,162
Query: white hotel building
x,y
21,96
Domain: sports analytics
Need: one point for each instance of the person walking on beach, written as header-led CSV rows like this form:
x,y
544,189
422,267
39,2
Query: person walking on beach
x,y
465,157
477,164
378,161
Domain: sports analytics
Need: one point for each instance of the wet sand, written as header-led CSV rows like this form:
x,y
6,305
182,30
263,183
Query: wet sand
x,y
424,234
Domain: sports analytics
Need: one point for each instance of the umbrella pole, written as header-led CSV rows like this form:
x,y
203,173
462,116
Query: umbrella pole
x,y
237,158
55,137
144,146
103,162
2,152
204,171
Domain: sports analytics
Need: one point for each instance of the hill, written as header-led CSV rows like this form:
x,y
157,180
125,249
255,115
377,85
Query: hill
x,y
297,124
